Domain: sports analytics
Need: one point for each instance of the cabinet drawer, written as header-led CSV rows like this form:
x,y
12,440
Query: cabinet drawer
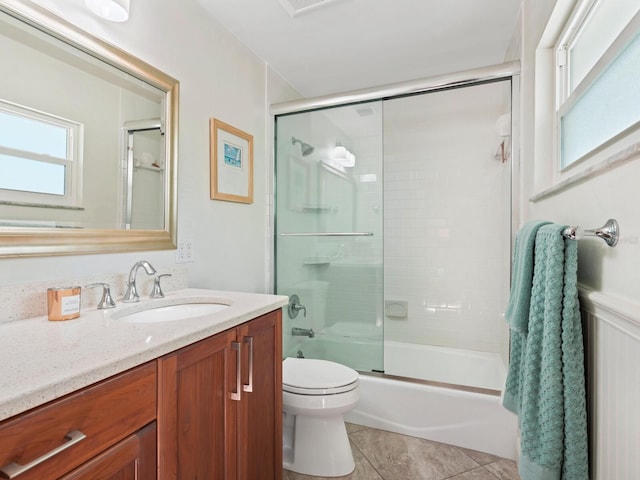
x,y
104,413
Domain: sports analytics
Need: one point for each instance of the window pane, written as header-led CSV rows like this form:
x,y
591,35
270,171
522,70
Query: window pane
x,y
608,107
600,30
31,135
31,175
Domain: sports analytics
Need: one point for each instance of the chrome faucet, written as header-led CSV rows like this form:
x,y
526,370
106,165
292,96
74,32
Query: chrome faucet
x,y
106,301
295,306
131,295
303,332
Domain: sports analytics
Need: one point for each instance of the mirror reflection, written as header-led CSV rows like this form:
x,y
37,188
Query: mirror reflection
x,y
82,143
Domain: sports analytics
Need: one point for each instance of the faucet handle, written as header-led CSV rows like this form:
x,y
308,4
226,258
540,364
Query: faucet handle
x,y
106,301
295,306
157,291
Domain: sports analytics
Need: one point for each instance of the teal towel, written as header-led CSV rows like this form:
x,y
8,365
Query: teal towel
x,y
550,401
517,313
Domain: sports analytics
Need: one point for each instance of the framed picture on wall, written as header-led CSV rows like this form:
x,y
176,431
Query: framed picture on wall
x,y
231,163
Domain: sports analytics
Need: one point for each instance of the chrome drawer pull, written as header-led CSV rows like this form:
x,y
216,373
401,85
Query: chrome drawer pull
x,y
236,395
13,469
249,386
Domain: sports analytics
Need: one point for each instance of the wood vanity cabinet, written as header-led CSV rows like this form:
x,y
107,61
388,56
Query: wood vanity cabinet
x,y
220,405
134,458
212,410
105,431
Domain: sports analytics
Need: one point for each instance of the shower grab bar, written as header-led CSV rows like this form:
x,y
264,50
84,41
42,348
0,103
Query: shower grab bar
x,y
609,232
328,234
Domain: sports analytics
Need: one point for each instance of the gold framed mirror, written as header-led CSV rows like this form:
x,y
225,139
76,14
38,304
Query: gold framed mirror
x,y
89,148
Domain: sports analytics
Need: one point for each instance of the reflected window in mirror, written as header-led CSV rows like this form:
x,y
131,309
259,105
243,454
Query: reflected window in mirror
x,y
115,119
40,158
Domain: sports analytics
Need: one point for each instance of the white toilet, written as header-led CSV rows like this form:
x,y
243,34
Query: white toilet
x,y
316,394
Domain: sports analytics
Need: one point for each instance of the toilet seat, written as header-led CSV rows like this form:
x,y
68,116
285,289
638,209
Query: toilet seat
x,y
307,376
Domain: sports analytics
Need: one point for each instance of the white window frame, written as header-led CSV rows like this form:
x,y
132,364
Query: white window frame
x,y
565,98
72,197
552,99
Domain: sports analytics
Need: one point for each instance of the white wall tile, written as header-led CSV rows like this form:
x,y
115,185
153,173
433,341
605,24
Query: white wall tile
x,y
445,222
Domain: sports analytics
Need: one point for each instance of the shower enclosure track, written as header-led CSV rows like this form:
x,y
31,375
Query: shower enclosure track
x,y
439,82
328,234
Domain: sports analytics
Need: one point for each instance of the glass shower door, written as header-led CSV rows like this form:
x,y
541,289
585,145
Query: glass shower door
x,y
448,234
328,227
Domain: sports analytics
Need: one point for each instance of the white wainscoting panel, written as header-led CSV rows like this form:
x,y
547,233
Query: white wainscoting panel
x,y
612,332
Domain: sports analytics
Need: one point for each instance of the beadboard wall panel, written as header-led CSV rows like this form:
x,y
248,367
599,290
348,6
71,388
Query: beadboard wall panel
x,y
612,335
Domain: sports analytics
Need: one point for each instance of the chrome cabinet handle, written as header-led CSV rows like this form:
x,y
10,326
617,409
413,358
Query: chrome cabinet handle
x,y
13,469
249,386
237,394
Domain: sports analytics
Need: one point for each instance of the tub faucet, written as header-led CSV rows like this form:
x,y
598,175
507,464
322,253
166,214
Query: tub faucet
x,y
302,332
131,295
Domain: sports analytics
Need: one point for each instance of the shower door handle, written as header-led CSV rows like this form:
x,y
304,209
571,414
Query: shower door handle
x,y
248,387
328,234
238,393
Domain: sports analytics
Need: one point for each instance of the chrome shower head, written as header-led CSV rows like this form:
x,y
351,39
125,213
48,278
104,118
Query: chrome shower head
x,y
305,148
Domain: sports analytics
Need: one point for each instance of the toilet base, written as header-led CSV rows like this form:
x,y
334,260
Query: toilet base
x,y
320,446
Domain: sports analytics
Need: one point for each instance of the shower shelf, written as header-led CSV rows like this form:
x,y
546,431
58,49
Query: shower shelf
x,y
317,261
317,208
148,167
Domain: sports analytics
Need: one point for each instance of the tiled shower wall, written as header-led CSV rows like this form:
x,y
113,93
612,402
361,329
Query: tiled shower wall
x,y
447,212
338,279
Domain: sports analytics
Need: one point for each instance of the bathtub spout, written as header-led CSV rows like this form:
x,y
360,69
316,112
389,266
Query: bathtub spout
x,y
303,332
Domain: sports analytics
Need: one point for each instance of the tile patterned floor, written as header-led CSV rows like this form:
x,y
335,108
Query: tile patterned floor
x,y
381,455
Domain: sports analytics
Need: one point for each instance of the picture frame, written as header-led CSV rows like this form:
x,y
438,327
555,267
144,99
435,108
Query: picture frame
x,y
231,163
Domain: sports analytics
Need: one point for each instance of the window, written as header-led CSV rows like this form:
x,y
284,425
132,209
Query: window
x,y
40,158
597,67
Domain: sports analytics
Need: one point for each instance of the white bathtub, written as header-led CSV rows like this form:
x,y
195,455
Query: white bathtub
x,y
444,364
466,419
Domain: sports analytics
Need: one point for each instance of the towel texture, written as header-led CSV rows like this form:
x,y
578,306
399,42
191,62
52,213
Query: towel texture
x,y
545,384
517,313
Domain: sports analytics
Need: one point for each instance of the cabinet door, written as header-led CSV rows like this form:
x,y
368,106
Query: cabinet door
x,y
197,418
134,458
260,409
98,416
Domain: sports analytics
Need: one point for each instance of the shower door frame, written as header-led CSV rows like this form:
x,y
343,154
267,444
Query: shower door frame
x,y
466,78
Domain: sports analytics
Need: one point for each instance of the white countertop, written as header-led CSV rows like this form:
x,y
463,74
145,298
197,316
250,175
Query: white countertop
x,y
42,360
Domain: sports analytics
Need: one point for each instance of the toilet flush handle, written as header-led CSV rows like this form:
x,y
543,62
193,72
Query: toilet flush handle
x,y
295,306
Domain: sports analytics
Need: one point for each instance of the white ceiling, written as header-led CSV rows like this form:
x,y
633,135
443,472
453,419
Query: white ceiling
x,y
345,45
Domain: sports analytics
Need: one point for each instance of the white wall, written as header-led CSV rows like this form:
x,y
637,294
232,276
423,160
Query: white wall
x,y
611,311
218,78
589,204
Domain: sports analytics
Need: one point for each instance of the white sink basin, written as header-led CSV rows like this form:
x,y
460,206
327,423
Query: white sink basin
x,y
157,313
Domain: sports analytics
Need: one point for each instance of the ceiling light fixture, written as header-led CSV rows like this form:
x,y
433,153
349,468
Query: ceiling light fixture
x,y
343,157
112,10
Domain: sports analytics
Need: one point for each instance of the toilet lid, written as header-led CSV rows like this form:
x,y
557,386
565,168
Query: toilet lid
x,y
308,376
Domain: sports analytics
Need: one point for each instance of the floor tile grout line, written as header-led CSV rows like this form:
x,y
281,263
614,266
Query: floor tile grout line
x,y
471,470
478,463
363,455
